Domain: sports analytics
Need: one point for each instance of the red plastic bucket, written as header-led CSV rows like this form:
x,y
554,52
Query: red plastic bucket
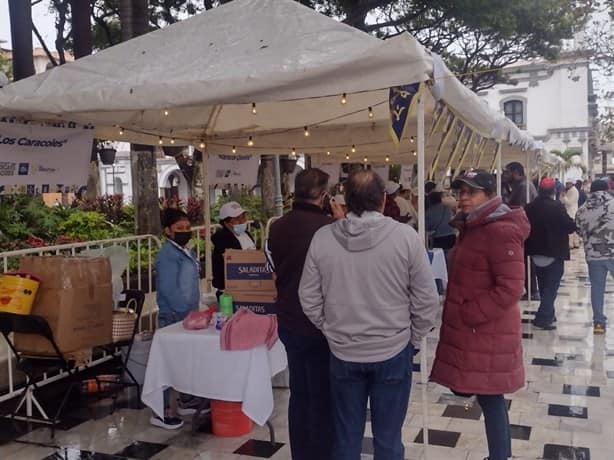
x,y
228,419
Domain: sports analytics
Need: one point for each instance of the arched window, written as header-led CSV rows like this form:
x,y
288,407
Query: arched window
x,y
514,110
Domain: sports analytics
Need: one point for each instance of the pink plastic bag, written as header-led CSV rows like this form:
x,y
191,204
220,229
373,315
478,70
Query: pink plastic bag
x,y
198,319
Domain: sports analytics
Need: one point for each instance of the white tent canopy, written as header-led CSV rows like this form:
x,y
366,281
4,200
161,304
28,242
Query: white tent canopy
x,y
197,80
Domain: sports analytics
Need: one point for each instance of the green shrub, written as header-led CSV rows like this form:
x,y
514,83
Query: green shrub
x,y
87,225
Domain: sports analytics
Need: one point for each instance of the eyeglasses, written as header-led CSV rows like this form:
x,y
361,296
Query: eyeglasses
x,y
470,192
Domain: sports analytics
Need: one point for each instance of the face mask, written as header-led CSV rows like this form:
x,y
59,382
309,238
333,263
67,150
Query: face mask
x,y
182,238
239,229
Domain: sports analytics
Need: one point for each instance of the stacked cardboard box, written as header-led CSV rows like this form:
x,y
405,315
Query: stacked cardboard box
x,y
249,279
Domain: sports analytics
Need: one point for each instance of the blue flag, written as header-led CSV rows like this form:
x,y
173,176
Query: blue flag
x,y
401,101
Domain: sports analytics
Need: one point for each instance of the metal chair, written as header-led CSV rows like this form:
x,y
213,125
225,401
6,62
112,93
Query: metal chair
x,y
35,366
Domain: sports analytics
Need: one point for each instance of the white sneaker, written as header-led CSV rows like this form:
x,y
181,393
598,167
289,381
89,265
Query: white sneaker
x,y
169,423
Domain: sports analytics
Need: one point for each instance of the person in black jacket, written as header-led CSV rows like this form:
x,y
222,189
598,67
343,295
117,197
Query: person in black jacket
x,y
232,235
309,411
548,246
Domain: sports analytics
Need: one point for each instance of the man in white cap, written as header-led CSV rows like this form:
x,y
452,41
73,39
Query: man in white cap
x,y
570,200
232,235
391,208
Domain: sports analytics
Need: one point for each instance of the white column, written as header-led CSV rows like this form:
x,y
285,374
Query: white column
x,y
421,167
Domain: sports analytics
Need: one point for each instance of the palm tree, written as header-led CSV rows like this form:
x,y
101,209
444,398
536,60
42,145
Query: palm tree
x,y
570,161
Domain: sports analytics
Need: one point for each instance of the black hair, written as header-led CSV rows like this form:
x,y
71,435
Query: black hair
x,y
599,185
364,192
309,184
434,198
429,186
515,166
172,216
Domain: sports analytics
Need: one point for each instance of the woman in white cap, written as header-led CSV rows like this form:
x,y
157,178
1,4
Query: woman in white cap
x,y
232,235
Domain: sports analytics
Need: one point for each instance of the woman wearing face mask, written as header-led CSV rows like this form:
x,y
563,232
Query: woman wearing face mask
x,y
232,235
178,293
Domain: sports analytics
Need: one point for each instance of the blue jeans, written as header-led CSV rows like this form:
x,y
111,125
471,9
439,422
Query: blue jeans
x,y
386,384
497,426
598,273
548,280
309,411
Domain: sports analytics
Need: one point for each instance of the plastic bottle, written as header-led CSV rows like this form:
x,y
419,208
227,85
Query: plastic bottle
x,y
226,307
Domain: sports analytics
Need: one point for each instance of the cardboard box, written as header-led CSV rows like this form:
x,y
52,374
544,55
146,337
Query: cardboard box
x,y
75,297
247,270
262,302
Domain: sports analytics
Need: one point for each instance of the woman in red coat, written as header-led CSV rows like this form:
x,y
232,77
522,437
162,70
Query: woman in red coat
x,y
480,345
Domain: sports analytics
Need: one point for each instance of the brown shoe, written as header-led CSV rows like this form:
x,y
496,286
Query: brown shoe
x,y
599,329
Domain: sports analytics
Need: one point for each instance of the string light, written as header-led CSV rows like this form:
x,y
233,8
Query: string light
x,y
327,154
387,159
370,112
411,139
172,140
306,131
347,156
353,148
344,98
160,141
365,159
293,153
250,141
234,149
254,111
413,152
166,112
121,131
202,144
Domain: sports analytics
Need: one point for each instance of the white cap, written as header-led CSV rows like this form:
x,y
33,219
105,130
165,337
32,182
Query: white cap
x,y
392,187
339,199
231,209
570,181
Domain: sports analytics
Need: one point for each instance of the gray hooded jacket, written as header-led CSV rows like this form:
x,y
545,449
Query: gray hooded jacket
x,y
595,222
367,284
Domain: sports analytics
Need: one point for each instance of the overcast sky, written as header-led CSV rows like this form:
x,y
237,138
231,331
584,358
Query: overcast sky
x,y
43,20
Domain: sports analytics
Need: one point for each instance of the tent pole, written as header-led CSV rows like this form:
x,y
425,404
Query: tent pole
x,y
279,203
207,221
422,234
528,196
499,170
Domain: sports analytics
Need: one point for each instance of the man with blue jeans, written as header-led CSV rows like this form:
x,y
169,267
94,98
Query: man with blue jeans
x,y
368,286
548,246
595,220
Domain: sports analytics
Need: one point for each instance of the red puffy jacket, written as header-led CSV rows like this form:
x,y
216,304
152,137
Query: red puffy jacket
x,y
480,345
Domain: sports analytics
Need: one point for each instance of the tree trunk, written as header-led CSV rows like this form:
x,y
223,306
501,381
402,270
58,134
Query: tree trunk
x,y
81,28
20,12
134,18
267,184
145,189
93,175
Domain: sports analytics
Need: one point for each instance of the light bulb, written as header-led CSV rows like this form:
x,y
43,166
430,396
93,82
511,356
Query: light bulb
x,y
365,159
411,139
306,131
347,156
202,144
172,140
344,98
370,112
293,153
121,131
160,141
387,159
250,141
234,149
166,112
327,154
413,152
353,148
254,111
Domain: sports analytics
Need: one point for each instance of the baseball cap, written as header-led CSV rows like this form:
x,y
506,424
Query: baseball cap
x,y
392,187
477,178
231,209
547,183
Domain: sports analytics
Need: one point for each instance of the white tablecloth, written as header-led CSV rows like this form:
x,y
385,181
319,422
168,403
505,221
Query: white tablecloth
x,y
438,265
192,362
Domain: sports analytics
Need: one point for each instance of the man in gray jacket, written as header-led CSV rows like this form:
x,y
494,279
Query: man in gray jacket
x,y
367,284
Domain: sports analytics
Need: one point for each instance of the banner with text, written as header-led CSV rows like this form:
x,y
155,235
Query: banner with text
x,y
39,159
233,169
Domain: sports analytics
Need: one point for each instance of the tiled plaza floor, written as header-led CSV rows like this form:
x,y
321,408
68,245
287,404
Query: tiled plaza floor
x,y
565,412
